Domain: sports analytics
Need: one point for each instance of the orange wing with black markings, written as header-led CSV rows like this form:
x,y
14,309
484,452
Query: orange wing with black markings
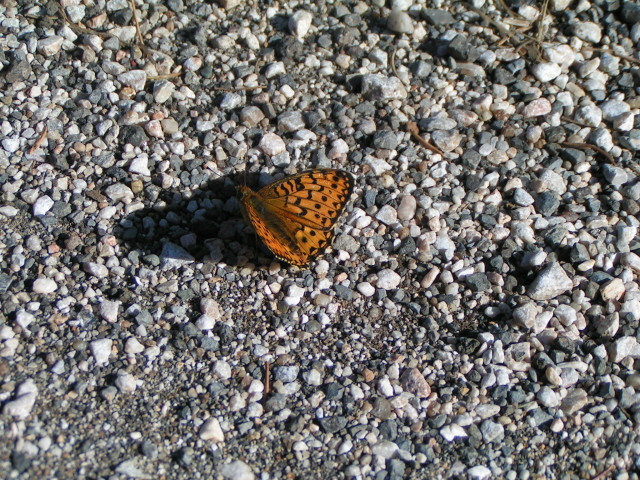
x,y
295,216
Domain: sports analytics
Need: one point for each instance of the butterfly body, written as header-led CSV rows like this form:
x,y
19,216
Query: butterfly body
x,y
295,216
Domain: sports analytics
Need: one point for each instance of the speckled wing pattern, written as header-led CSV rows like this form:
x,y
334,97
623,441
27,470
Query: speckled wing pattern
x,y
295,216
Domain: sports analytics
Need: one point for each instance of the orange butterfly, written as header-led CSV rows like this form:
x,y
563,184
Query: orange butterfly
x,y
295,216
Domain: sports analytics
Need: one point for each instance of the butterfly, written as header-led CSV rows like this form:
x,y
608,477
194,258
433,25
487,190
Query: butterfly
x,y
294,217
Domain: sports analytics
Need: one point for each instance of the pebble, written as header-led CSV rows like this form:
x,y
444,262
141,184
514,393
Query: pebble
x,y
414,382
300,22
127,383
384,449
133,346
366,289
388,279
163,91
237,470
271,144
23,400
551,282
96,269
624,347
616,176
399,21
574,401
140,164
24,319
588,31
479,472
42,205
589,115
205,322
451,432
101,350
384,88
51,45
387,215
135,79
44,286
211,431
385,387
545,72
130,468
222,369
537,108
290,122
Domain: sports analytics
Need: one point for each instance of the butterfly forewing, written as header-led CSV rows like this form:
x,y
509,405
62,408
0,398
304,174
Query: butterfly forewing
x,y
316,198
295,216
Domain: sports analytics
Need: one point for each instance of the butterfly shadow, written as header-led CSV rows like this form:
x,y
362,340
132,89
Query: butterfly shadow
x,y
203,224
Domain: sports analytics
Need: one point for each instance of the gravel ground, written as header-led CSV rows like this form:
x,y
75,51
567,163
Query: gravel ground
x,y
477,317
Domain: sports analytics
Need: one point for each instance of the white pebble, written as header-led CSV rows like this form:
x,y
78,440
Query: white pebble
x,y
211,431
388,279
42,205
44,285
101,349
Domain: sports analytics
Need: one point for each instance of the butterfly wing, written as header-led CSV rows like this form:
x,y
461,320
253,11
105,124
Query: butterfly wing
x,y
315,198
271,229
295,216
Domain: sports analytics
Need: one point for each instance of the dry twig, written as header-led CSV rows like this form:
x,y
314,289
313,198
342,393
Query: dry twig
x,y
143,47
412,128
39,141
267,378
165,76
604,473
585,146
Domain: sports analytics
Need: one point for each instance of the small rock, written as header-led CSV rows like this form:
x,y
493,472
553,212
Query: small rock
x,y
222,369
237,470
518,357
624,347
50,46
414,382
133,346
545,72
588,31
271,144
23,402
575,400
616,176
126,383
537,108
550,283
135,79
162,91
387,215
400,22
388,279
379,87
451,432
44,285
42,205
211,431
479,472
299,23
612,290
96,269
101,350
108,310
384,449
